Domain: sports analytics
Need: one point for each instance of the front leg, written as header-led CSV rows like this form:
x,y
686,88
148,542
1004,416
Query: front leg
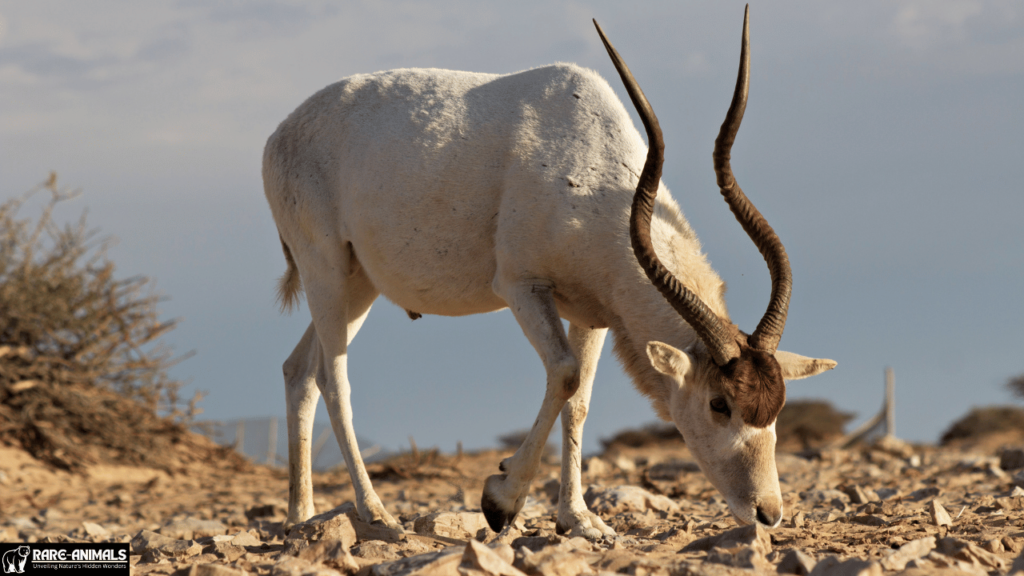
x,y
533,305
574,519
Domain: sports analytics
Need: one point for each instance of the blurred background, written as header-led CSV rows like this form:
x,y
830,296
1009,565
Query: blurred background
x,y
882,140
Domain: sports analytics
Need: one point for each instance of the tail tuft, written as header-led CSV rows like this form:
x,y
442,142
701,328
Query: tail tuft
x,y
289,287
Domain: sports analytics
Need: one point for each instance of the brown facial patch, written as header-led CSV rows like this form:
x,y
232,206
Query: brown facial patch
x,y
754,380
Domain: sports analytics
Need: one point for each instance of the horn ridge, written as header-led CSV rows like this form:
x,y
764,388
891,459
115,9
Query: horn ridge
x,y
769,330
709,328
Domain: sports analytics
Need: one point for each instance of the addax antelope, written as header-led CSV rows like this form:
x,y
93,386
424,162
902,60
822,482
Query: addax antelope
x,y
458,193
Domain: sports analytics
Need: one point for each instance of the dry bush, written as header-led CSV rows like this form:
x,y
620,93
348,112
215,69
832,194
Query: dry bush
x,y
654,434
981,422
1016,386
803,424
82,373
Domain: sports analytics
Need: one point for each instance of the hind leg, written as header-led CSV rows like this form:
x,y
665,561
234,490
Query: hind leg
x,y
573,516
340,296
301,395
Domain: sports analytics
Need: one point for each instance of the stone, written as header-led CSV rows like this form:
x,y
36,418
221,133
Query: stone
x,y
596,467
245,538
291,566
331,525
479,560
458,525
611,501
1011,544
798,520
95,530
554,561
190,528
914,550
226,550
833,566
330,553
923,493
375,550
175,549
796,562
265,511
859,495
145,541
754,535
992,545
869,520
815,497
746,557
938,514
442,563
968,552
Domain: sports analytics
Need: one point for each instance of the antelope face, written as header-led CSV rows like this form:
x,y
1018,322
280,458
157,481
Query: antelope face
x,y
728,424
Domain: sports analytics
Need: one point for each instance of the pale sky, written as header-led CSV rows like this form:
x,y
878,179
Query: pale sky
x,y
883,141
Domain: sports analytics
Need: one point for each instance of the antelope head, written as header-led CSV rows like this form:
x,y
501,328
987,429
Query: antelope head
x,y
727,389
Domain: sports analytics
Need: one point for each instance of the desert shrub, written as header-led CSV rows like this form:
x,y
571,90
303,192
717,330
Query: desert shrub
x,y
82,371
985,421
653,434
807,423
1016,386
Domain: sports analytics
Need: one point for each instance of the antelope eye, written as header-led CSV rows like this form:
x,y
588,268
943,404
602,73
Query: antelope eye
x,y
719,405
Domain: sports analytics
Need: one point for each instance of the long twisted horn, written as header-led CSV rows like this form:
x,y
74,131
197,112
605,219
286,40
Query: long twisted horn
x,y
769,329
709,327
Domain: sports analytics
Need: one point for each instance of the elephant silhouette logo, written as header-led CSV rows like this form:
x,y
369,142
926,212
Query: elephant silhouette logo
x,y
14,560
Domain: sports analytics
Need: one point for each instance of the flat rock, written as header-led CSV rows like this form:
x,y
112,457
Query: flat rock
x,y
442,563
331,525
860,495
480,560
914,550
175,549
796,562
245,539
146,540
753,535
747,557
833,566
458,525
95,530
968,552
330,553
617,499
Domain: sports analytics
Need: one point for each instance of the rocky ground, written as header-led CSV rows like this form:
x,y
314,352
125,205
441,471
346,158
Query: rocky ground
x,y
889,508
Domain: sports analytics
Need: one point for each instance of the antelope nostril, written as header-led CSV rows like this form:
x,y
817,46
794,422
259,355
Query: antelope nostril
x,y
762,518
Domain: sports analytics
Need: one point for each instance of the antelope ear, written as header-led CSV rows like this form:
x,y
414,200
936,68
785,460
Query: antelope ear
x,y
795,366
669,360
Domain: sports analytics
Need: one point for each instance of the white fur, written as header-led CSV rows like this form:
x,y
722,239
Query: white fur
x,y
455,193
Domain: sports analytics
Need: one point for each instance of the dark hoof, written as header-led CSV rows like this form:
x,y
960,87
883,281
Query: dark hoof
x,y
496,517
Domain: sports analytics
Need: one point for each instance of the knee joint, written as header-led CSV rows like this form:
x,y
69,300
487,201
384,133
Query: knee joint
x,y
566,378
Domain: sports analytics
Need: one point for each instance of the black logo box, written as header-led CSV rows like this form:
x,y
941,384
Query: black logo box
x,y
51,558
